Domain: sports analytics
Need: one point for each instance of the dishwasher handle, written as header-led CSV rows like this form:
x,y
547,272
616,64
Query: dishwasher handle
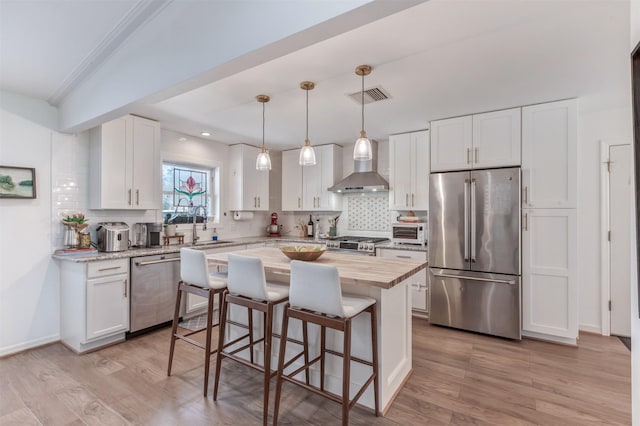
x,y
153,262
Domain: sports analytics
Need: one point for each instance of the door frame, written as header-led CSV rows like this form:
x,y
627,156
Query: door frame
x,y
605,247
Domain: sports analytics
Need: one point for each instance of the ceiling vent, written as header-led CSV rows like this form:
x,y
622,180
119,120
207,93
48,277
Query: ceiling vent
x,y
374,94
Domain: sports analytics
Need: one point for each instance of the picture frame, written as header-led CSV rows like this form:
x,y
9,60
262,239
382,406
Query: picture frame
x,y
17,182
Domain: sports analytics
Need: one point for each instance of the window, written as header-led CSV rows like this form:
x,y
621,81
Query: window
x,y
187,187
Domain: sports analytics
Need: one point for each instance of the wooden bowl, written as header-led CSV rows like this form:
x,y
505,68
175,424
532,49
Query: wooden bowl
x,y
306,253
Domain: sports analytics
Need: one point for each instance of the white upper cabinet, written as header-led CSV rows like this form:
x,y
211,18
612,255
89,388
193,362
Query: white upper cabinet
x,y
549,155
291,181
451,144
305,188
248,187
496,139
125,165
409,174
476,141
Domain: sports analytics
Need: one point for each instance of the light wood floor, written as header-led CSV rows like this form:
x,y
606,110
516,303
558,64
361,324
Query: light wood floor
x,y
458,378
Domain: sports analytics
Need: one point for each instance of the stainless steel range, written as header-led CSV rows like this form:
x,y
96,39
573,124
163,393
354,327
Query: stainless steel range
x,y
363,245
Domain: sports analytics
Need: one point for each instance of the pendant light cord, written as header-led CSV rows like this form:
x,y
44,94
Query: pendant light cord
x,y
362,101
307,114
263,126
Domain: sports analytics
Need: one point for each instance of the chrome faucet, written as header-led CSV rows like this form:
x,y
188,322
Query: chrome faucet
x,y
204,222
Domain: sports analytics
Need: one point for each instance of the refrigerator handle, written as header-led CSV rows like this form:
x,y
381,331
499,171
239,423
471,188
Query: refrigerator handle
x,y
473,220
464,277
466,220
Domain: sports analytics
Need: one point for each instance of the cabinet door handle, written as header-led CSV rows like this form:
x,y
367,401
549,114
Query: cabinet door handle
x,y
129,196
413,201
258,202
526,195
108,269
476,152
406,200
255,202
468,155
125,288
403,257
298,202
526,221
137,197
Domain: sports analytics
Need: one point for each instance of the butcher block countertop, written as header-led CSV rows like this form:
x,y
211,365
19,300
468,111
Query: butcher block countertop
x,y
359,270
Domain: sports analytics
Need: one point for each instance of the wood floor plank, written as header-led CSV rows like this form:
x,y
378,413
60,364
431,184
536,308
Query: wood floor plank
x,y
459,378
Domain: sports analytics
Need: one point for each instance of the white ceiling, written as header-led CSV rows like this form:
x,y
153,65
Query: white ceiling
x,y
438,59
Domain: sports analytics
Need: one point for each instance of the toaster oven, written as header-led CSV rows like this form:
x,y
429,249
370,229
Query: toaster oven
x,y
409,233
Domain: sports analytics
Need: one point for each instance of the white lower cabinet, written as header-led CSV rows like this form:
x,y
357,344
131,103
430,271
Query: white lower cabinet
x,y
94,303
549,274
418,282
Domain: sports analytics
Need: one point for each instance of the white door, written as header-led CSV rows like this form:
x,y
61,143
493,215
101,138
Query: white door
x,y
400,176
420,170
620,227
107,306
146,168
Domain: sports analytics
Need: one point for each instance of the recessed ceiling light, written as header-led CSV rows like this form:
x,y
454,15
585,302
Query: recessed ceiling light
x,y
205,133
182,139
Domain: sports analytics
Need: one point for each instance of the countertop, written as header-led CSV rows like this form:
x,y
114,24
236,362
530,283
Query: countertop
x,y
175,248
370,271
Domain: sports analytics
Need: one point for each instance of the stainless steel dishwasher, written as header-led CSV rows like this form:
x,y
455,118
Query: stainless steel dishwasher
x,y
154,284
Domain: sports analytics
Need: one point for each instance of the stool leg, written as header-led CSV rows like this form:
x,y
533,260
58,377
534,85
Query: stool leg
x,y
305,348
223,325
346,372
174,328
267,360
250,323
209,332
323,342
283,346
374,358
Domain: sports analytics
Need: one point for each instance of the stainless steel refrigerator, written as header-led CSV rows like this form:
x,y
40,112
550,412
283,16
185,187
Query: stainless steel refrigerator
x,y
474,250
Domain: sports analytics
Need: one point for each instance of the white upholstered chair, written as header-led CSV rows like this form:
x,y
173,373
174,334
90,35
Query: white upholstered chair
x,y
248,287
315,296
196,279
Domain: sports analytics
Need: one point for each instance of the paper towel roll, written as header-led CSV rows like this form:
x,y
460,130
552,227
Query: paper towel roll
x,y
242,216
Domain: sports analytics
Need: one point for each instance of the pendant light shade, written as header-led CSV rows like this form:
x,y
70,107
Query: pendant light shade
x,y
263,162
307,154
362,149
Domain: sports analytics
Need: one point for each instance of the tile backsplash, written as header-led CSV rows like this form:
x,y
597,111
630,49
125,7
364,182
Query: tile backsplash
x,y
368,212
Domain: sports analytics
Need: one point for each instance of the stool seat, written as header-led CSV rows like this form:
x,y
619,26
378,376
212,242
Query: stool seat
x,y
353,305
217,281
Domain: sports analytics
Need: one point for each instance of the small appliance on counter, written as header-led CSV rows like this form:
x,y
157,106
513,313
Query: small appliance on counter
x,y
146,235
409,233
113,236
273,230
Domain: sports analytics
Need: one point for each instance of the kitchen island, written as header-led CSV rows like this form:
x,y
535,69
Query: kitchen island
x,y
383,279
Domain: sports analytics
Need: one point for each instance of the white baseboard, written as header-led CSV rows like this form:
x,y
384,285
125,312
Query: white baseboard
x,y
590,329
550,338
10,350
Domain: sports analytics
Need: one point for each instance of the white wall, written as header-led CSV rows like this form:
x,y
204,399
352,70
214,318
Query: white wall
x,y
29,288
635,320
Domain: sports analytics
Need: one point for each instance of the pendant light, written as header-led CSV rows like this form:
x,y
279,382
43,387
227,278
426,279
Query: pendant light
x,y
263,162
307,154
362,149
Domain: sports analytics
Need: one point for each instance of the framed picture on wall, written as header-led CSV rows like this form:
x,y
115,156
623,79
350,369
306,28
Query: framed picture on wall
x,y
17,182
635,93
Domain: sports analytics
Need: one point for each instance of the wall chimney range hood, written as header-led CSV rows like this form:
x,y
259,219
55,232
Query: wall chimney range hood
x,y
364,178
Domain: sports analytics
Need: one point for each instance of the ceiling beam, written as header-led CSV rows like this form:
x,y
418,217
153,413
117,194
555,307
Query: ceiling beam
x,y
189,44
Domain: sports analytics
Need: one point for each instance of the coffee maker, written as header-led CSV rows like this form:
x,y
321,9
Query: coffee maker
x,y
147,235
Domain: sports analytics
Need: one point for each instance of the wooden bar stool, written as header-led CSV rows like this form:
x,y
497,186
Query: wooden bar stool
x,y
315,296
248,287
196,279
